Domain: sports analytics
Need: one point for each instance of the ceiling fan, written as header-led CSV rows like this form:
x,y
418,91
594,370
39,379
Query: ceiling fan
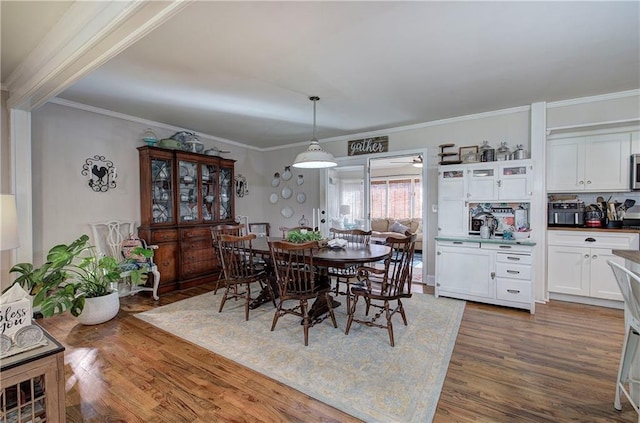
x,y
415,161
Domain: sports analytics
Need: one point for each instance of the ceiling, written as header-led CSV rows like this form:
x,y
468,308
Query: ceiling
x,y
243,71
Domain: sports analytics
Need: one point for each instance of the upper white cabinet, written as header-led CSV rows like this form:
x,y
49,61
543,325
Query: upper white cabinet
x,y
594,163
504,180
453,213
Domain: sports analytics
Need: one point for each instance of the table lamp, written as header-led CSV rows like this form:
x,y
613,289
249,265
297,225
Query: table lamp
x,y
8,223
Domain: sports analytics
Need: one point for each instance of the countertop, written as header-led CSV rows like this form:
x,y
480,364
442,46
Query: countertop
x,y
626,230
527,242
631,255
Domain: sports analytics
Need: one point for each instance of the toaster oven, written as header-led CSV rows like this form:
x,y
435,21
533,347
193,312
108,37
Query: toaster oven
x,y
566,214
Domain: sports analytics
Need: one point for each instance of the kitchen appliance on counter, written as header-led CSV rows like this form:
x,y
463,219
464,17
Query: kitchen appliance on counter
x,y
635,172
568,214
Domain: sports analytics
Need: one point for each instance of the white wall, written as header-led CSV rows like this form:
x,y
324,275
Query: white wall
x,y
64,137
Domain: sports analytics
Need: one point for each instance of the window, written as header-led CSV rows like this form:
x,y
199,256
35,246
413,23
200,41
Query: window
x,y
400,198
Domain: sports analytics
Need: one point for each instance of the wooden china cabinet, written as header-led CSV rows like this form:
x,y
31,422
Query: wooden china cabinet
x,y
182,195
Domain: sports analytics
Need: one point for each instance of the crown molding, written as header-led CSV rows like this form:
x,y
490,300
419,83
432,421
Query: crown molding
x,y
593,99
88,35
146,122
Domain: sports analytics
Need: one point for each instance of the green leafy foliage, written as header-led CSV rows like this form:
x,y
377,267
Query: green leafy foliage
x,y
71,273
300,237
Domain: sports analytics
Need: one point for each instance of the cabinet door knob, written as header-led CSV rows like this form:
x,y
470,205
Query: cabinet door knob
x,y
499,182
581,182
493,275
586,256
588,182
595,256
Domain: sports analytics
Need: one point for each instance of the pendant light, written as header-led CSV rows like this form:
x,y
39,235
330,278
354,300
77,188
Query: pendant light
x,y
314,157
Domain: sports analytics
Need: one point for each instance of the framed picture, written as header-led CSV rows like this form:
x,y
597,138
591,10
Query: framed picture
x,y
469,154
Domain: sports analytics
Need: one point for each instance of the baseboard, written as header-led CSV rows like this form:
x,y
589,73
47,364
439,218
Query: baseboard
x,y
586,300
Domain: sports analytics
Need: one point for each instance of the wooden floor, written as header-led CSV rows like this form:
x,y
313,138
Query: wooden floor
x,y
559,365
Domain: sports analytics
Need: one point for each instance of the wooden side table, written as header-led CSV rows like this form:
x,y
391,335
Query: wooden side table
x,y
32,384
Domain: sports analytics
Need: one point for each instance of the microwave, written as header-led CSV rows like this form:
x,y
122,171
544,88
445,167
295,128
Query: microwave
x,y
635,171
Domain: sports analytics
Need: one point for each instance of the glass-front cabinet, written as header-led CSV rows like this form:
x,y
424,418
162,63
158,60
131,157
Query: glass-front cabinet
x,y
182,195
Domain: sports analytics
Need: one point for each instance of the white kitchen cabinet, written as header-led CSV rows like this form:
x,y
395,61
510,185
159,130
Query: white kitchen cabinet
x,y
593,163
491,272
453,212
463,268
503,181
577,262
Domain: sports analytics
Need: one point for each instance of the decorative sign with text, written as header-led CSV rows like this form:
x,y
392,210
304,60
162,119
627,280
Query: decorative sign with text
x,y
368,146
14,315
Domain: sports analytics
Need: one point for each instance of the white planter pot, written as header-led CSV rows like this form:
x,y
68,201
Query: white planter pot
x,y
100,309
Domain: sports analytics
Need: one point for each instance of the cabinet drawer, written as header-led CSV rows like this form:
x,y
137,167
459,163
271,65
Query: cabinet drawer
x,y
513,258
198,255
164,235
464,244
515,271
613,240
196,244
191,233
511,290
198,267
507,247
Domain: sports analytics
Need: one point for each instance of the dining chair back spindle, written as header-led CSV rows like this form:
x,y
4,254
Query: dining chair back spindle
x,y
354,238
627,383
216,232
297,281
239,269
381,288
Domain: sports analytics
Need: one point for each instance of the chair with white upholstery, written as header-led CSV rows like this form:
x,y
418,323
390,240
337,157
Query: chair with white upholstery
x,y
629,284
108,238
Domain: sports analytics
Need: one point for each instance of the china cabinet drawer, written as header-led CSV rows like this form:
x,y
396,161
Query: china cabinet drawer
x,y
166,235
514,258
197,244
191,233
207,254
197,268
513,290
516,271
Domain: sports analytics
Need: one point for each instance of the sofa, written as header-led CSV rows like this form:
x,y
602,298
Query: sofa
x,y
388,226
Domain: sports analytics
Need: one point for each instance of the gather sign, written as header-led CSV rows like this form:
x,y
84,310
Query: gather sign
x,y
368,146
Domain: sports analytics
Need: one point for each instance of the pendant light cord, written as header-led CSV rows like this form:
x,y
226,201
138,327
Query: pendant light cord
x,y
314,99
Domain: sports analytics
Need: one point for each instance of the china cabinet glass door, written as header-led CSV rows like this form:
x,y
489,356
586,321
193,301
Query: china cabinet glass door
x,y
162,194
226,193
188,199
209,191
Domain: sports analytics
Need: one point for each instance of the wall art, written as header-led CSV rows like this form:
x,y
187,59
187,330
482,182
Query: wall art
x,y
101,172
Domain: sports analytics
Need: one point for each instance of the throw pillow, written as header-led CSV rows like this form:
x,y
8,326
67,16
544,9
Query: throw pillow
x,y
398,227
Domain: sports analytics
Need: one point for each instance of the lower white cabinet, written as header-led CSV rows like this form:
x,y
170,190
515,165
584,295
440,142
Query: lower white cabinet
x,y
577,262
495,273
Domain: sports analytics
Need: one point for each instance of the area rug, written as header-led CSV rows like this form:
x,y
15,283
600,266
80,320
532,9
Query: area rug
x,y
359,373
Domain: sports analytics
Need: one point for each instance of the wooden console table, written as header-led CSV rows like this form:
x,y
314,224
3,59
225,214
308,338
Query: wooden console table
x,y
32,384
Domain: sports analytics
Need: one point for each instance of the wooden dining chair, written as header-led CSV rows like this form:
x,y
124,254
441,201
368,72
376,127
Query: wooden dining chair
x,y
354,238
259,228
240,271
382,287
216,231
626,383
296,276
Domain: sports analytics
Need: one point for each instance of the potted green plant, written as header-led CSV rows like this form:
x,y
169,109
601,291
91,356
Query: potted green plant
x,y
72,277
300,236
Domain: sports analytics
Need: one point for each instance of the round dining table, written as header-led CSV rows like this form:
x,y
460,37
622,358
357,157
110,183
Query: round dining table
x,y
325,257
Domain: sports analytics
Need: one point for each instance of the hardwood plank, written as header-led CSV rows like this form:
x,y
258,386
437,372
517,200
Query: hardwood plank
x,y
559,365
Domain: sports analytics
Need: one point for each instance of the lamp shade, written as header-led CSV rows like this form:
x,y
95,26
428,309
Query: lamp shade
x,y
314,156
8,223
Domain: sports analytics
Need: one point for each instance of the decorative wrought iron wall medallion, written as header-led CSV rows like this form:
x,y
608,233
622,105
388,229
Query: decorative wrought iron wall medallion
x,y
242,188
101,172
